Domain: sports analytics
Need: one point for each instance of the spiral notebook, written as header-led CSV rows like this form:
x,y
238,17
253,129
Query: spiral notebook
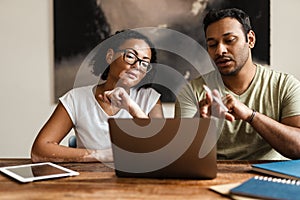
x,y
268,188
289,169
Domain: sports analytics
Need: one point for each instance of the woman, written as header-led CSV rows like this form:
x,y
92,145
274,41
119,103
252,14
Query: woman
x,y
86,109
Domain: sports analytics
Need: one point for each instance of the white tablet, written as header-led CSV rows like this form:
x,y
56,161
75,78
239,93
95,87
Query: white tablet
x,y
37,171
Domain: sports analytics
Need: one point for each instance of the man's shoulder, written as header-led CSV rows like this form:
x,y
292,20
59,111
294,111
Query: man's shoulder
x,y
204,77
268,73
269,70
211,79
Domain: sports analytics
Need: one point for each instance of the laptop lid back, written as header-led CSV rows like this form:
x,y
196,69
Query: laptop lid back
x,y
164,148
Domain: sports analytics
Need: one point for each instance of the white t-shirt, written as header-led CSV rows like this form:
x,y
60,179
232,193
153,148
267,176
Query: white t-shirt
x,y
90,120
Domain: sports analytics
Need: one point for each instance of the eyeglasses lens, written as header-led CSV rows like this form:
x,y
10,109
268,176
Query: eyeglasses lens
x,y
131,59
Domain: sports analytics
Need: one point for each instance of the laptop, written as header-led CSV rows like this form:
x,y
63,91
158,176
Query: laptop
x,y
182,148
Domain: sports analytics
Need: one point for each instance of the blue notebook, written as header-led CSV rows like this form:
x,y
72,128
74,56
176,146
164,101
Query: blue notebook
x,y
268,188
289,169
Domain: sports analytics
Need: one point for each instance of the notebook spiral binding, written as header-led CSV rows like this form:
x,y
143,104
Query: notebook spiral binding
x,y
278,180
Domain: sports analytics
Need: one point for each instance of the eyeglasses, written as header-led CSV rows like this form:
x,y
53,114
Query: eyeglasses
x,y
131,58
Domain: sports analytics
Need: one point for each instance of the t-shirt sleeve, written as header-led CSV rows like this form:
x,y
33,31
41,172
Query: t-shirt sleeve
x,y
67,101
146,98
291,101
186,103
153,97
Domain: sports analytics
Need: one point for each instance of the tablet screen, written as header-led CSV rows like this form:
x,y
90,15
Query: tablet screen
x,y
38,171
34,171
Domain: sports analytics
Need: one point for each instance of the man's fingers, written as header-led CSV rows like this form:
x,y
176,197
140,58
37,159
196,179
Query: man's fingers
x,y
229,117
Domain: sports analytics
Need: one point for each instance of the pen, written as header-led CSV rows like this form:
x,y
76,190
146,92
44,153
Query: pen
x,y
216,99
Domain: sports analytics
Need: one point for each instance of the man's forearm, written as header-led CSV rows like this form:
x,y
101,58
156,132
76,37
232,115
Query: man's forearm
x,y
283,138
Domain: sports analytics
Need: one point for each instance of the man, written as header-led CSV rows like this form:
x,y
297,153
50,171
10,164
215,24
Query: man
x,y
263,117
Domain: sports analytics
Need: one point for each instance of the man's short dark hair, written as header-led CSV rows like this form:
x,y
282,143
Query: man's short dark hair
x,y
216,15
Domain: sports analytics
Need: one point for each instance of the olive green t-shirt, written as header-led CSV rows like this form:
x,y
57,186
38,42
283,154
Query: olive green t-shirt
x,y
272,93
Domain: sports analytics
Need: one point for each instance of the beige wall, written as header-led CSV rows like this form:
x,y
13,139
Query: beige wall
x,y
26,77
285,36
26,73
